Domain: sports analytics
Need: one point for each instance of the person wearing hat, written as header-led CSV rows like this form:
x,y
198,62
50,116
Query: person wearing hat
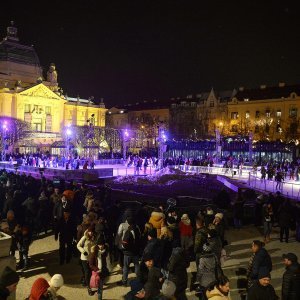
x,y
291,277
186,232
219,226
262,288
9,280
137,291
213,244
154,248
151,277
174,228
157,219
39,290
55,283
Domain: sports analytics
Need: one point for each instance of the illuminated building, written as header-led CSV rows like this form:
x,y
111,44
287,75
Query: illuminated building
x,y
26,96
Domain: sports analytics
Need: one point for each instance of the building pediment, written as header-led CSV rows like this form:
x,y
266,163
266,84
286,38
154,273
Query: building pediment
x,y
40,91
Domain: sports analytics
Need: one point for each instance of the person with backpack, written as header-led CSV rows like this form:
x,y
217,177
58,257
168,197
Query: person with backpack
x,y
131,246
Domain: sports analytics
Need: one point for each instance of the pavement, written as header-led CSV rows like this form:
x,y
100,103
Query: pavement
x,y
44,263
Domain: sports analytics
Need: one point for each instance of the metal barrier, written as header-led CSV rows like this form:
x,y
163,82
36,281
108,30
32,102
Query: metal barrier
x,y
291,190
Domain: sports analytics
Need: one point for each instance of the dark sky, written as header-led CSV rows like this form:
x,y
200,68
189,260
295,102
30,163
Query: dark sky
x,y
128,51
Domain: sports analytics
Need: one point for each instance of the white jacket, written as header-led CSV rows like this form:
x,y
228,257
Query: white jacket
x,y
85,245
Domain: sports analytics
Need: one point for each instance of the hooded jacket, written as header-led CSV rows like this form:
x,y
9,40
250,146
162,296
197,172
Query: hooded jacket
x,y
157,219
216,294
85,246
39,287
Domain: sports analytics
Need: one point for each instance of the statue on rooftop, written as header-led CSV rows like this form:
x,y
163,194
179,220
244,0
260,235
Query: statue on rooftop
x,y
52,74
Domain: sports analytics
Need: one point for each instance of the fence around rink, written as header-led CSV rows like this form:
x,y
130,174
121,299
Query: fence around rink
x,y
289,189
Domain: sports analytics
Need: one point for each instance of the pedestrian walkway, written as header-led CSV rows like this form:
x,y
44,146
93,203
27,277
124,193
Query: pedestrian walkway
x,y
45,263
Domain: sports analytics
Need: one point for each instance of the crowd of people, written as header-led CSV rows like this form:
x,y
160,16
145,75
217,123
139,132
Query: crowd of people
x,y
159,242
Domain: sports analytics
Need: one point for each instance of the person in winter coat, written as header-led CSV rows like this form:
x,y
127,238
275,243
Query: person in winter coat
x,y
55,283
220,290
177,272
219,226
186,232
213,244
291,277
268,219
260,262
262,289
66,231
9,280
137,291
39,290
99,262
207,270
119,238
23,238
157,220
285,217
85,248
200,238
153,248
151,277
174,228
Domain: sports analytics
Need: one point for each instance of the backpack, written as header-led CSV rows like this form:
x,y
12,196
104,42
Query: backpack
x,y
131,239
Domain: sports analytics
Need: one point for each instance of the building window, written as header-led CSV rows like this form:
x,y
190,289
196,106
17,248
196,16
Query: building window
x,y
27,108
212,104
278,113
234,128
48,110
268,113
247,115
257,114
293,112
234,115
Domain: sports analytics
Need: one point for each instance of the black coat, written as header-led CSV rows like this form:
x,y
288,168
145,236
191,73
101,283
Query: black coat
x,y
4,293
291,282
154,249
261,263
259,292
285,215
66,230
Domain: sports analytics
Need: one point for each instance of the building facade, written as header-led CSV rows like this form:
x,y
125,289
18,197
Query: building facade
x,y
25,96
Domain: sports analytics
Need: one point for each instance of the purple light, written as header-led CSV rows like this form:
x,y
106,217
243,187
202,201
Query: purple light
x,y
69,132
126,133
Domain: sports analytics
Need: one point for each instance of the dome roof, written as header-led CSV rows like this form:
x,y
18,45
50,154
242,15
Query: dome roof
x,y
11,50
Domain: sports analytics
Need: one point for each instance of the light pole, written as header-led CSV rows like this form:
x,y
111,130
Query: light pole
x,y
68,137
125,139
162,138
4,133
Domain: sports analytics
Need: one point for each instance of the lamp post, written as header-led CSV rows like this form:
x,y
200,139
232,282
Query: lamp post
x,y
162,138
4,133
125,139
68,136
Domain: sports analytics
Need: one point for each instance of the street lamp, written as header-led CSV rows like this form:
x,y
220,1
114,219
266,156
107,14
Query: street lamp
x,y
4,133
125,139
68,137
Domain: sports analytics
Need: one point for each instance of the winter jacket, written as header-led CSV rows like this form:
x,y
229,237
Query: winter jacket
x,y
4,293
214,245
177,269
185,230
120,234
285,215
66,231
152,285
131,241
157,220
98,256
207,269
259,292
200,240
291,282
216,294
261,263
85,247
154,249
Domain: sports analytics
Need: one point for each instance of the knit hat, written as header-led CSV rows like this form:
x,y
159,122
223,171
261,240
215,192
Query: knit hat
x,y
56,281
9,277
39,287
185,219
290,256
136,286
147,257
219,215
100,240
264,274
168,288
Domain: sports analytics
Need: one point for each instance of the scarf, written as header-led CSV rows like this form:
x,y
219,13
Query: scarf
x,y
99,258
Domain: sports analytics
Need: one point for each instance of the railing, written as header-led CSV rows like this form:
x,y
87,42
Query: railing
x,y
289,189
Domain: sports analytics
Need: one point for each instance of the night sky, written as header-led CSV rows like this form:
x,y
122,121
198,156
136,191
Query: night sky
x,y
129,51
